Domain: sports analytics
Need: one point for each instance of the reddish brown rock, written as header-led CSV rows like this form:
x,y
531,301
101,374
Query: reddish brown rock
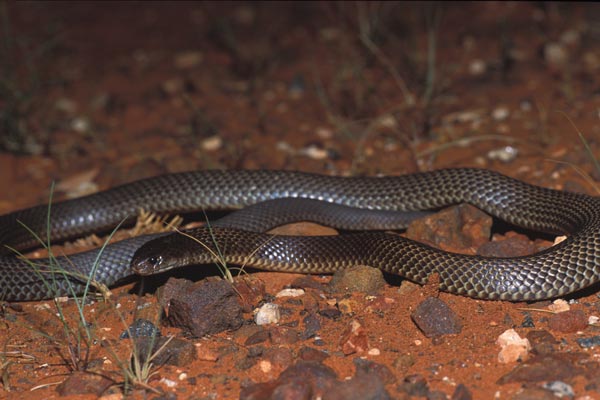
x,y
568,321
358,278
434,318
251,291
461,228
84,383
354,339
513,246
311,380
207,307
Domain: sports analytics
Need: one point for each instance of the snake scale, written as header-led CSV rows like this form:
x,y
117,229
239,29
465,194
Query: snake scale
x,y
567,267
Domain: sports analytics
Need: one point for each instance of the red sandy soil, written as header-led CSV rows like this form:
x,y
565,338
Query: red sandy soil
x,y
131,90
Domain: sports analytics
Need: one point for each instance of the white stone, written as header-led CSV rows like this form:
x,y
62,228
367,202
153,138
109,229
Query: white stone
x,y
212,143
513,347
268,313
477,67
500,113
290,293
559,305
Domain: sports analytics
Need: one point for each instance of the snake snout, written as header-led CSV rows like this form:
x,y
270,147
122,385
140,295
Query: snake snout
x,y
147,265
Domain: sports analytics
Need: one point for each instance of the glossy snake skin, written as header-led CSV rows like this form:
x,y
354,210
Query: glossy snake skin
x,y
564,268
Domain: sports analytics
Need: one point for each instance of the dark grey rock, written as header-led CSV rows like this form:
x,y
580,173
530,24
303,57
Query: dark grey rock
x,y
312,325
370,367
257,337
542,342
528,321
331,313
177,352
434,318
310,354
436,395
208,307
589,342
141,328
461,393
414,385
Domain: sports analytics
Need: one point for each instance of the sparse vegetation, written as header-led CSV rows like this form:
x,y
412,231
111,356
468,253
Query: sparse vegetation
x,y
21,80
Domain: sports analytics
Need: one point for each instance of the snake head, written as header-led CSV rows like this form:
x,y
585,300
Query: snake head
x,y
151,258
147,266
157,255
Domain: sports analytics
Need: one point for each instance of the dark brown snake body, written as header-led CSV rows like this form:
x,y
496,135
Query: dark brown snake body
x,y
567,267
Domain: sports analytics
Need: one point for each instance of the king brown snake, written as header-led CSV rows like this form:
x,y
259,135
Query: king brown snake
x,y
357,201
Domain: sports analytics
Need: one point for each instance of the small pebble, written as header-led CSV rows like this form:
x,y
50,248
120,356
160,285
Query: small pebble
x,y
504,154
315,152
513,347
268,313
528,322
374,352
212,143
141,328
81,124
404,361
560,389
290,293
434,318
477,67
414,385
168,383
559,305
354,339
500,113
461,393
556,54
588,342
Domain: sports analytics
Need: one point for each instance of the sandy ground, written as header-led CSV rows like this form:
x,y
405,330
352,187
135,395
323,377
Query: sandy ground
x,y
98,94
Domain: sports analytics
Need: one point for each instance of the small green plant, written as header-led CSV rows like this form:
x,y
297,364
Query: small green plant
x,y
75,342
138,372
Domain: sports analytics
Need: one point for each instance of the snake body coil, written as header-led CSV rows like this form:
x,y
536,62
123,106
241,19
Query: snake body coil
x,y
564,268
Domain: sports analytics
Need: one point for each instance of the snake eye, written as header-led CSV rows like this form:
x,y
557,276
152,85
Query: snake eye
x,y
155,261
